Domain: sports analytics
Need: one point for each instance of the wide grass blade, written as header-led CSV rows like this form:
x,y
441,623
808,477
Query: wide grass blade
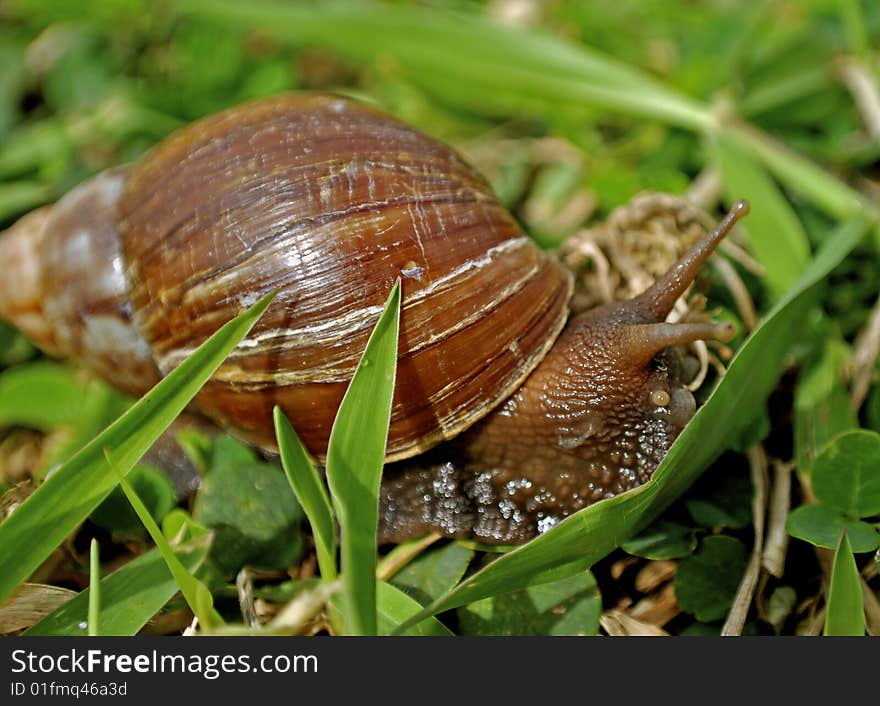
x,y
355,458
466,56
67,497
94,589
196,594
309,489
587,536
845,610
776,236
395,606
801,174
130,596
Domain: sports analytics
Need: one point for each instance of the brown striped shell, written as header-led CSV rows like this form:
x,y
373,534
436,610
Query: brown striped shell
x,y
328,203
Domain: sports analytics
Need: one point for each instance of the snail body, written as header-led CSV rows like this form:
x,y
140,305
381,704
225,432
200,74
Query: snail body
x,y
525,415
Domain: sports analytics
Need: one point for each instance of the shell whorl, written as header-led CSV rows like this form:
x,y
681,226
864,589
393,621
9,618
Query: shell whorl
x,y
68,291
21,296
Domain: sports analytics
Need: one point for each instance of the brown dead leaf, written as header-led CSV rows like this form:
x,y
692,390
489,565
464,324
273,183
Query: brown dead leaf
x,y
618,624
30,603
657,609
653,574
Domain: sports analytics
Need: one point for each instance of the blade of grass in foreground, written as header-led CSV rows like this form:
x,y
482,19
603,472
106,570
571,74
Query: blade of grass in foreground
x,y
845,610
67,497
355,457
310,491
94,588
590,534
196,594
130,596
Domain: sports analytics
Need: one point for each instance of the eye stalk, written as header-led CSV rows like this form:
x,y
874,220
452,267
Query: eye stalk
x,y
657,301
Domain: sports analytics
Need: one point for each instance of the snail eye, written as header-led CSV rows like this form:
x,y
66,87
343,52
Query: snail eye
x,y
659,398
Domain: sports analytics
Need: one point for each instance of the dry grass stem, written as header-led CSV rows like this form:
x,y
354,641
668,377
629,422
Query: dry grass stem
x,y
736,618
864,89
776,542
244,585
867,348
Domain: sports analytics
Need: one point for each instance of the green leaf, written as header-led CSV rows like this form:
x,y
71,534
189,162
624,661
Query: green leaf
x,y
706,583
845,609
587,536
41,395
821,525
130,596
309,488
254,515
821,405
152,486
663,540
776,235
178,526
68,496
94,589
570,606
853,21
846,475
196,594
228,453
355,457
797,172
394,607
466,57
433,573
723,500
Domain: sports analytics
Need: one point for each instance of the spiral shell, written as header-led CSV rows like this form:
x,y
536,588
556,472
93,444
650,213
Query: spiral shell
x,y
328,203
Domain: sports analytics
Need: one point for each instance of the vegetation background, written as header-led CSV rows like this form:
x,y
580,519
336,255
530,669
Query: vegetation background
x,y
764,520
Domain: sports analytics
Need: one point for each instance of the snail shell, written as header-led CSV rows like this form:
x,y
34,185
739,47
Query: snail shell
x,y
326,202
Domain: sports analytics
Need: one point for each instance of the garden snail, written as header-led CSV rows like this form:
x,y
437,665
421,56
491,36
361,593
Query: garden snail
x,y
329,202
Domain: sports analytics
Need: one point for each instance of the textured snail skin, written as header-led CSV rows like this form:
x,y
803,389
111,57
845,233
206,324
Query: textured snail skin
x,y
328,202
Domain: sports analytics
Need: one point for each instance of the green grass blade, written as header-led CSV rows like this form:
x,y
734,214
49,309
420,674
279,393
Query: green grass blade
x,y
94,589
309,489
584,538
853,21
395,606
845,610
67,497
804,176
777,238
466,55
354,466
130,596
196,594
